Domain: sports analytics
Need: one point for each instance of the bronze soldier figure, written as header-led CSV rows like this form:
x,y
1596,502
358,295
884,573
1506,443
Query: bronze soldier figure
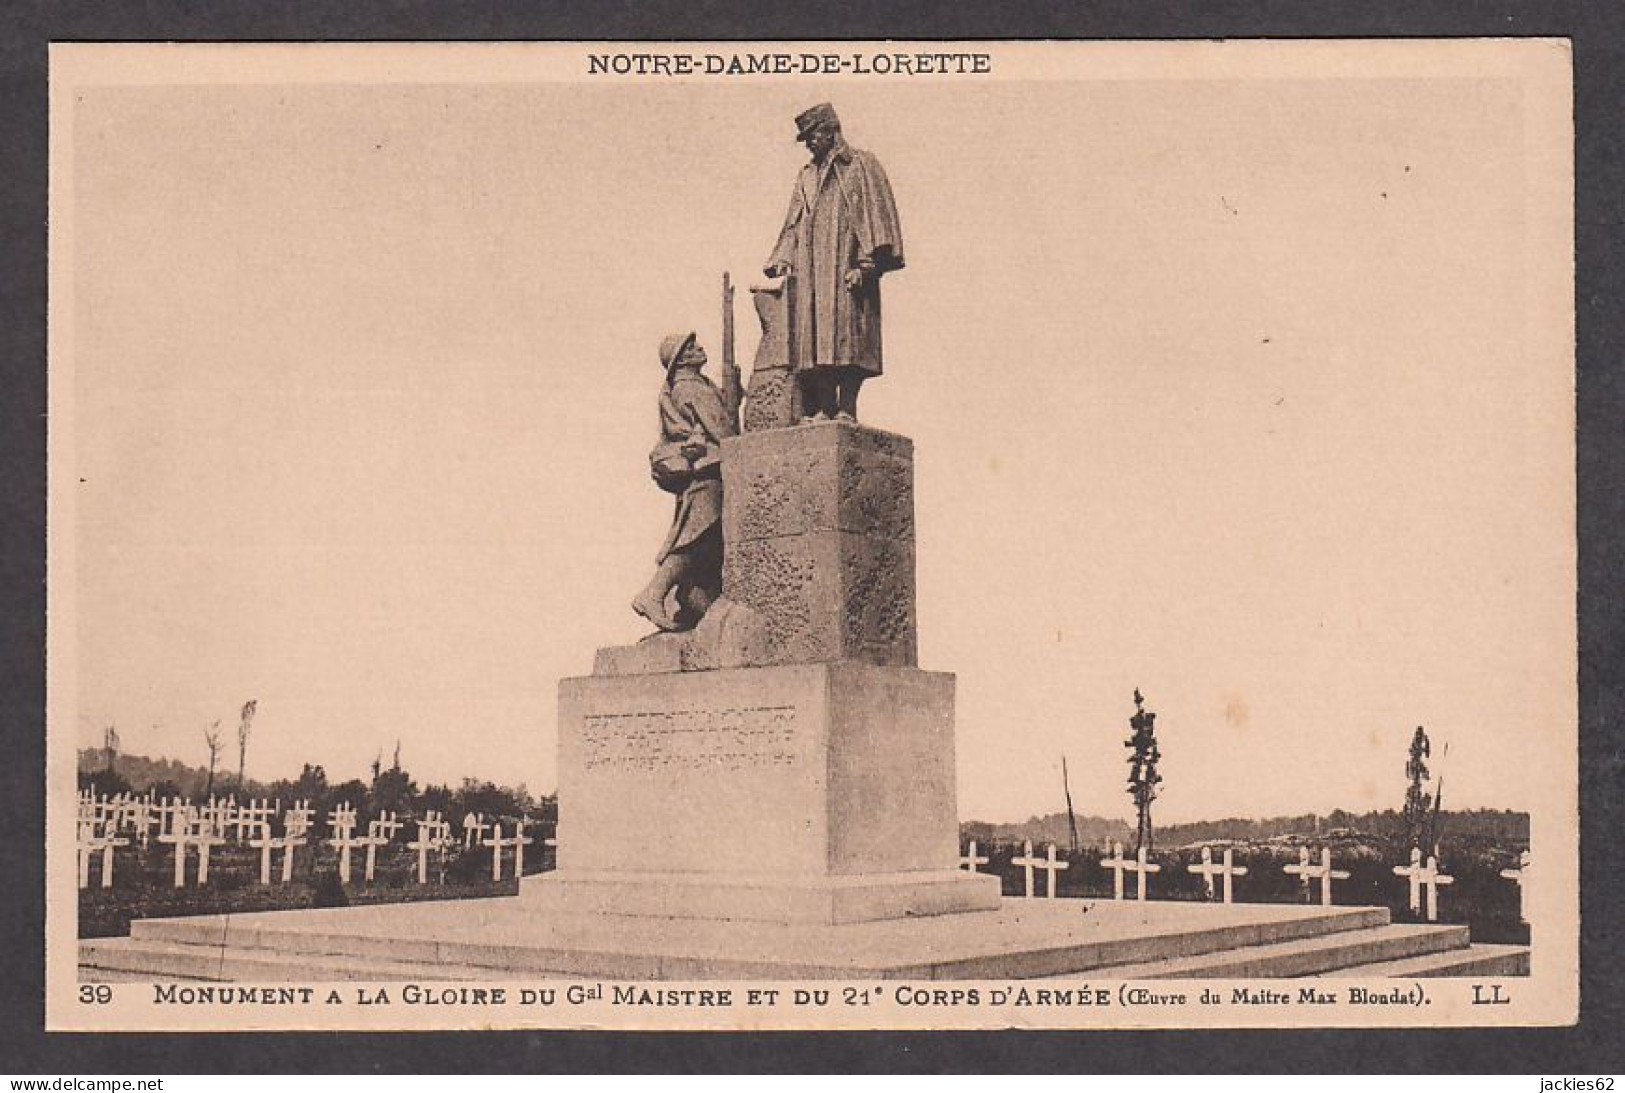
x,y
694,418
840,236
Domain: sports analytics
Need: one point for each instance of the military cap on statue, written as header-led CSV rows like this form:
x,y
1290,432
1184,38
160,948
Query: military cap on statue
x,y
812,118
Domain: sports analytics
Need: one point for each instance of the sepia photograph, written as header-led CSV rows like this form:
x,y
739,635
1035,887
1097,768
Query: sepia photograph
x,y
850,535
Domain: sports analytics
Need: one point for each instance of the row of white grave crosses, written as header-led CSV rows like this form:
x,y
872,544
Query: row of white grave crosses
x,y
1048,864
192,829
1209,869
91,842
263,839
1140,865
433,836
122,814
102,820
380,832
1307,871
1422,875
497,844
137,815
341,823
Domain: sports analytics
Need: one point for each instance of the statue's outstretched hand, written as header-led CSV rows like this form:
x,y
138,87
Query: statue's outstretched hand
x,y
855,278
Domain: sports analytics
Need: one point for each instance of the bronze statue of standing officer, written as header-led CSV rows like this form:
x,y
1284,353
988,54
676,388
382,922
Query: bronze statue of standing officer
x,y
840,237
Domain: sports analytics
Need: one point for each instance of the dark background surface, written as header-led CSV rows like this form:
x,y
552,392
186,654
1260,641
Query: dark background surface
x,y
1595,26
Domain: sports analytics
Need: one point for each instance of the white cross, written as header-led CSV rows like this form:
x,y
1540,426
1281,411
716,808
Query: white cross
x,y
91,842
216,816
296,821
341,822
265,844
1517,876
473,829
125,809
192,829
1413,873
433,834
1424,876
1047,863
167,812
519,849
1323,872
379,833
970,861
1209,869
142,814
251,817
1140,864
1116,864
497,844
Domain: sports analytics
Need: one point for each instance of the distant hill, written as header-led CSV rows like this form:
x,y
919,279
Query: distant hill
x,y
1494,824
143,773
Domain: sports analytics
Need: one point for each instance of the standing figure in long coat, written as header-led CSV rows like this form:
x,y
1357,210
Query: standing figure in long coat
x,y
839,238
695,416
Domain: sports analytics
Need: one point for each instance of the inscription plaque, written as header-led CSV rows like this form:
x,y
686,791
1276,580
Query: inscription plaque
x,y
732,739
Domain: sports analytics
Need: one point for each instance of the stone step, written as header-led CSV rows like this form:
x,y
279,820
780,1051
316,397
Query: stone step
x,y
1048,938
1474,960
89,974
1155,948
128,958
1301,957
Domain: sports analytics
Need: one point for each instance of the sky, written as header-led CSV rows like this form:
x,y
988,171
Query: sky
x,y
1240,384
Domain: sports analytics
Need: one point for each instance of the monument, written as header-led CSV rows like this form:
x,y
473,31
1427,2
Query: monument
x,y
775,752
764,787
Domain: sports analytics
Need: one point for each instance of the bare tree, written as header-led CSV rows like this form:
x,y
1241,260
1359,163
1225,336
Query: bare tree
x,y
243,728
211,736
1071,817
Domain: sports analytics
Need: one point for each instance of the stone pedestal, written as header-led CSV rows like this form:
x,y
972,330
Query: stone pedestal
x,y
818,539
809,793
786,761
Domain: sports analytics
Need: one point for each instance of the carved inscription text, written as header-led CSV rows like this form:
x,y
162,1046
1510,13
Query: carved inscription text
x,y
731,739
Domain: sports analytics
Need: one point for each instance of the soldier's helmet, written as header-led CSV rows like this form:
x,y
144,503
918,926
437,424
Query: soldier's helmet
x,y
672,348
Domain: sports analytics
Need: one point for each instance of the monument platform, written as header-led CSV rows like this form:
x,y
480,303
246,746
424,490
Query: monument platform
x,y
819,793
497,939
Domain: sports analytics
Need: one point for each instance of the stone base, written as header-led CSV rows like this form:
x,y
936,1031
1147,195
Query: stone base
x,y
506,939
797,793
730,636
829,901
